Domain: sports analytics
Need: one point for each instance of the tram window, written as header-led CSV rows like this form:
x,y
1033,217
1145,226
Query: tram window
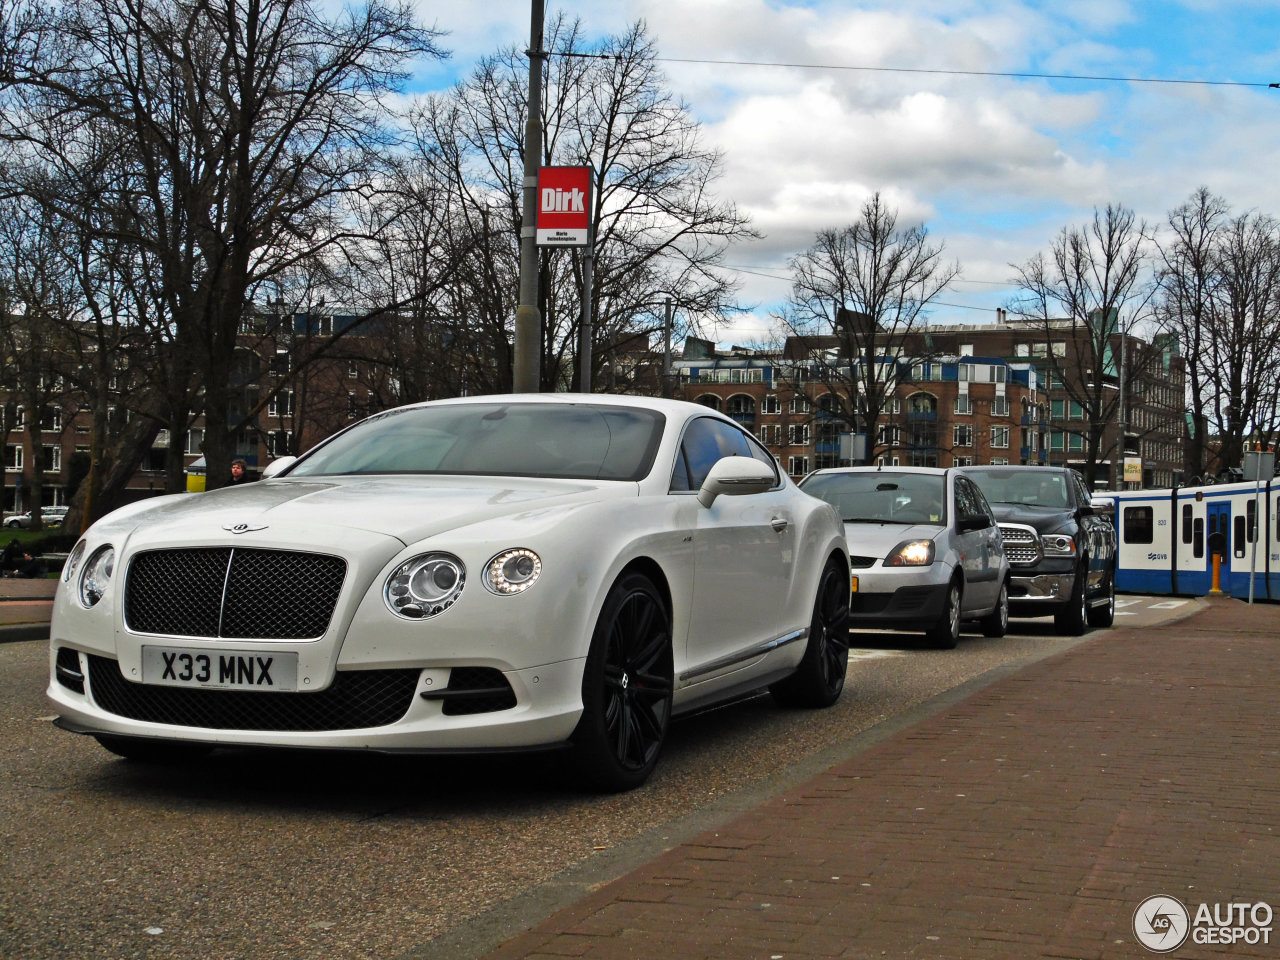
x,y
1139,525
1251,512
1239,536
1197,543
1186,523
1277,516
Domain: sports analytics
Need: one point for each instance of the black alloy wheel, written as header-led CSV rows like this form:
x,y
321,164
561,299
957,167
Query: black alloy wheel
x,y
1104,615
1073,619
819,679
626,688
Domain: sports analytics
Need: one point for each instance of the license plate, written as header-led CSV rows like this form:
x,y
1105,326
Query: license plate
x,y
853,584
263,670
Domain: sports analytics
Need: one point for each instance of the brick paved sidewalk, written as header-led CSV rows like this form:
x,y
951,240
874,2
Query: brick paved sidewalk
x,y
1029,820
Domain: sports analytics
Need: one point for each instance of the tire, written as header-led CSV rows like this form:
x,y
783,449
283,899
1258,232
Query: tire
x,y
996,623
819,680
945,634
627,687
1105,616
1073,619
154,751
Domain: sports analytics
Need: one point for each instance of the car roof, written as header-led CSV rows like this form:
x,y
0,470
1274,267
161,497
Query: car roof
x,y
927,471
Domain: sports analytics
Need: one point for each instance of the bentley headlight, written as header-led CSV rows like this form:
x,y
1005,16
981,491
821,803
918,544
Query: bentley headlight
x,y
512,572
911,553
1059,545
97,575
425,586
73,561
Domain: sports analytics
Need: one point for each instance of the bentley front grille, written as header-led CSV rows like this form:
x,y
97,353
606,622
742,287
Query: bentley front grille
x,y
232,593
355,700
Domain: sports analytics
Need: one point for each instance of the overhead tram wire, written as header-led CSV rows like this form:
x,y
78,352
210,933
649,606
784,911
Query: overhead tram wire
x,y
947,73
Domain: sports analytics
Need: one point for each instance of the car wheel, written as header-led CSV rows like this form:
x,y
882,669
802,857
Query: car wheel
x,y
1073,619
154,751
1105,615
626,688
819,679
946,632
996,623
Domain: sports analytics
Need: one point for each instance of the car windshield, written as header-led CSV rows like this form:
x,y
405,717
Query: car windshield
x,y
572,441
1042,489
881,496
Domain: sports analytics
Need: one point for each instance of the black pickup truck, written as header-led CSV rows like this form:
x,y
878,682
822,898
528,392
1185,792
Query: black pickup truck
x,y
1062,553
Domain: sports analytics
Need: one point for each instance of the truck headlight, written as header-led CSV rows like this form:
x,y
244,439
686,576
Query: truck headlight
x,y
1059,545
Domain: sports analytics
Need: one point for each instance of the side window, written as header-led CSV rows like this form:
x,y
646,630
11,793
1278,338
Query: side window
x,y
1187,525
707,440
1082,491
969,503
1139,524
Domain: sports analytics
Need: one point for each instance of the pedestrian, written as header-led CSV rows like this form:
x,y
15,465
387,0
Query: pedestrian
x,y
16,562
239,471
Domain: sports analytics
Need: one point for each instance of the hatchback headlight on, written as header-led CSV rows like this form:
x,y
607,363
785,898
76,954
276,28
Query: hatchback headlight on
x,y
911,553
96,576
1059,545
425,586
512,572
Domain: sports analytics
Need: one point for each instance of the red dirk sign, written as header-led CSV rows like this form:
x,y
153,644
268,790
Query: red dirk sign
x,y
564,206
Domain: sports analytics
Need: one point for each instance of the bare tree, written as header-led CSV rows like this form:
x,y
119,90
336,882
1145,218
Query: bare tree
x,y
1190,287
857,311
1089,293
246,129
1244,334
660,232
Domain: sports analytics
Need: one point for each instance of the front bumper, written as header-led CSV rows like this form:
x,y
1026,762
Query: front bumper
x,y
414,718
1040,590
905,599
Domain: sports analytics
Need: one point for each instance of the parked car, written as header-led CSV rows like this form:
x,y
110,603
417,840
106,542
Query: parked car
x,y
925,550
49,516
491,573
1062,549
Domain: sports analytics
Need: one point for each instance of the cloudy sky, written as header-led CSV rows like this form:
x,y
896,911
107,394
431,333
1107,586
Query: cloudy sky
x,y
994,166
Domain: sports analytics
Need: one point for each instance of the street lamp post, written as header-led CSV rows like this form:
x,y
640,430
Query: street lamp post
x,y
525,374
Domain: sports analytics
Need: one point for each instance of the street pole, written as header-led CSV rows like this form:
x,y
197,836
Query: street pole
x,y
584,333
526,374
667,390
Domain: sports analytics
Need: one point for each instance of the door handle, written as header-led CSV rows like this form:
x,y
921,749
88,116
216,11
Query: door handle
x,y
780,523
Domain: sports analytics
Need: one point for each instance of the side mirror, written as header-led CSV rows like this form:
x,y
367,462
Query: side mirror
x,y
736,477
276,466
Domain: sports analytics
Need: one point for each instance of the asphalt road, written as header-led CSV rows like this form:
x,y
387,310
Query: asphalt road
x,y
303,855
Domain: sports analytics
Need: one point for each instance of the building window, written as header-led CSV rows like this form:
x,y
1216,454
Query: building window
x,y
12,456
798,434
889,436
797,466
770,434
963,404
799,404
353,370
1000,407
962,461
53,459
1057,440
352,409
279,364
1074,411
279,443
281,405
195,439
1075,442
999,461
771,404
1000,437
962,435
51,419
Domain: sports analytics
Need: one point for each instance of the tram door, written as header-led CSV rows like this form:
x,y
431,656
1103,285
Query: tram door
x,y
1219,522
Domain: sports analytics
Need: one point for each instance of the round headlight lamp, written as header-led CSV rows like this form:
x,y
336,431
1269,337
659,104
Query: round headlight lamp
x,y
425,586
512,572
73,561
96,576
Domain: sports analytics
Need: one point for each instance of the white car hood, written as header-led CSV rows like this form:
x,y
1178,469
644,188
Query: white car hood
x,y
877,539
408,508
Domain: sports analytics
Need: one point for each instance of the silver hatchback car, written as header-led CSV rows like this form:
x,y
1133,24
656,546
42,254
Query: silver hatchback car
x,y
925,549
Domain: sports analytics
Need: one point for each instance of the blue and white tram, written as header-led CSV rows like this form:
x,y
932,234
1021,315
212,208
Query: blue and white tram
x,y
1166,539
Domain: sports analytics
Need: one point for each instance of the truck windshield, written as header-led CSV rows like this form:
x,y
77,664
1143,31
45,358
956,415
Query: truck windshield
x,y
1033,487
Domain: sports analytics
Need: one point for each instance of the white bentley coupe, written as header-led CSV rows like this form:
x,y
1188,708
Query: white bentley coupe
x,y
492,573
